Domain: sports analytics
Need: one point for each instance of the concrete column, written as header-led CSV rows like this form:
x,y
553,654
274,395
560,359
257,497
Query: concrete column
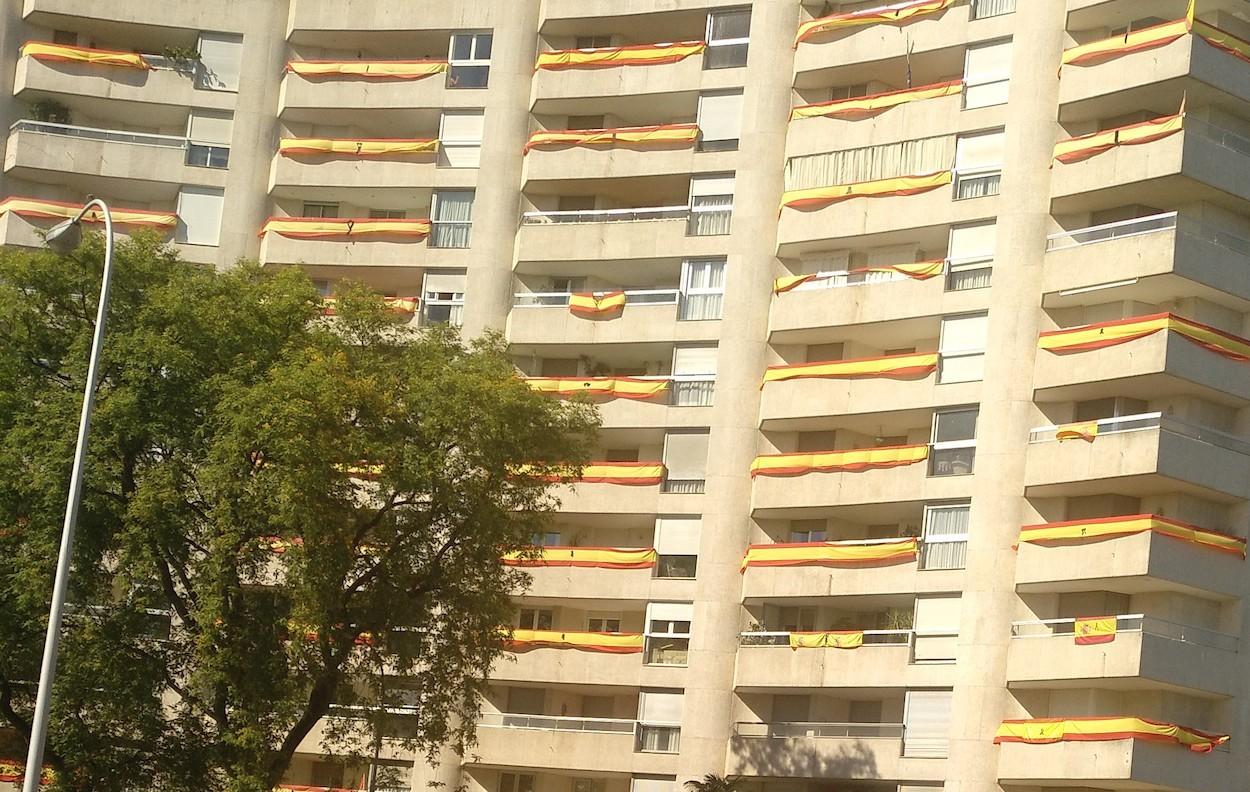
x,y
981,698
752,246
496,205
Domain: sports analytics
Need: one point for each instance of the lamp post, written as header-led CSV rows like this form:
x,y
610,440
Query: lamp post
x,y
63,238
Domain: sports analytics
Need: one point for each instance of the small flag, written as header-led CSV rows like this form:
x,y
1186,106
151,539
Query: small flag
x,y
1095,630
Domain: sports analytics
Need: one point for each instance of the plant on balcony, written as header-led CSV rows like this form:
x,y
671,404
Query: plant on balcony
x,y
49,111
898,619
183,58
715,783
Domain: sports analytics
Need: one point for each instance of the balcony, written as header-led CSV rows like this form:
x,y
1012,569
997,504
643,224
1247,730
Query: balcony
x,y
1137,455
1122,764
786,404
687,391
572,667
623,160
1147,259
305,99
766,662
155,165
384,16
827,751
298,175
649,316
591,745
576,10
276,248
898,575
51,13
164,92
643,495
613,235
667,85
1146,653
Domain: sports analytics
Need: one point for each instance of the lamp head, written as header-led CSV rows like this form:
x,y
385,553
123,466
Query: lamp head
x,y
64,237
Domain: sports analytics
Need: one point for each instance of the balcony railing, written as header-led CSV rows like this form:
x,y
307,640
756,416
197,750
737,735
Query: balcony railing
x,y
607,215
561,299
1147,421
890,731
507,720
1131,623
871,638
1109,231
199,154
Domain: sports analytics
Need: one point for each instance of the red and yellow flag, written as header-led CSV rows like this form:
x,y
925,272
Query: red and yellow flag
x,y
376,70
909,366
831,554
586,557
1117,46
916,270
895,13
860,107
608,387
1220,39
1099,529
657,135
1089,630
820,197
638,474
607,642
792,282
1121,331
64,210
849,461
327,227
13,771
611,57
357,147
42,50
597,304
1083,147
838,639
1085,430
1043,731
399,305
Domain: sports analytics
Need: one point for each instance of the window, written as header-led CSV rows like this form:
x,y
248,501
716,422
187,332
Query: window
x,y
954,445
720,120
66,38
848,91
694,374
711,204
443,298
220,57
702,289
685,461
603,622
970,256
327,774
321,210
807,531
460,138
936,624
208,139
945,537
978,164
469,60
962,348
987,74
592,42
516,782
451,218
927,723
728,34
659,720
667,632
586,122
534,619
798,619
387,214
199,215
677,545
983,9
545,539
590,785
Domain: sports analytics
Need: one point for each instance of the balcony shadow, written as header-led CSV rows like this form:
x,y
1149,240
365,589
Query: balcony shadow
x,y
776,757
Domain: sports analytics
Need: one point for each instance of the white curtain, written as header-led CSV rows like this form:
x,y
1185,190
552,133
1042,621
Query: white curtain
x,y
710,215
946,537
703,292
453,215
988,8
907,158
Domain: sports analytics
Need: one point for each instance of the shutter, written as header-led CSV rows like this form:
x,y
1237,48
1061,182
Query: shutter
x,y
670,611
987,69
695,360
715,184
460,138
659,706
984,150
972,241
964,333
927,723
220,56
446,281
720,115
206,126
685,455
937,627
677,535
199,215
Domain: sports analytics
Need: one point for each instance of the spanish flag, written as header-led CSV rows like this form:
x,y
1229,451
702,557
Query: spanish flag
x,y
918,270
1094,630
820,197
597,305
376,70
909,366
637,474
64,210
896,13
1221,39
1099,529
608,387
658,135
585,557
849,461
1117,46
42,50
1122,331
1085,430
356,147
398,305
326,227
1083,147
860,107
1043,731
831,554
611,57
840,639
605,642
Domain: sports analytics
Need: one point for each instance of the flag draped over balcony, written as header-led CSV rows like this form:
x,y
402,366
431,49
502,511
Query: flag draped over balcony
x,y
611,387
64,210
607,642
377,70
357,147
1099,529
44,51
839,639
820,197
1085,430
597,305
640,474
399,305
1089,630
656,135
858,107
1083,147
1121,331
895,13
830,554
910,366
916,270
1159,35
611,57
586,557
852,460
328,227
1042,731
13,771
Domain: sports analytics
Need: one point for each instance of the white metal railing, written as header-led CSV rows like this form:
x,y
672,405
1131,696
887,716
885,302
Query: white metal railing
x,y
1146,421
1225,138
561,299
893,731
607,215
557,723
1129,623
93,133
871,638
1109,231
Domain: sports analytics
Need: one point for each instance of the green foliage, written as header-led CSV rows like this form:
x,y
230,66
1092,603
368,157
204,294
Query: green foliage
x,y
230,413
715,783
49,111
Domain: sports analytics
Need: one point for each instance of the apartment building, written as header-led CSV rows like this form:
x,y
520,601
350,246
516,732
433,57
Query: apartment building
x,y
919,333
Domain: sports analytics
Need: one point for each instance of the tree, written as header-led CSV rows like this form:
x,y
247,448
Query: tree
x,y
715,783
282,514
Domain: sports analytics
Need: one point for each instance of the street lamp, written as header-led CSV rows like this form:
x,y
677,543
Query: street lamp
x,y
63,238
